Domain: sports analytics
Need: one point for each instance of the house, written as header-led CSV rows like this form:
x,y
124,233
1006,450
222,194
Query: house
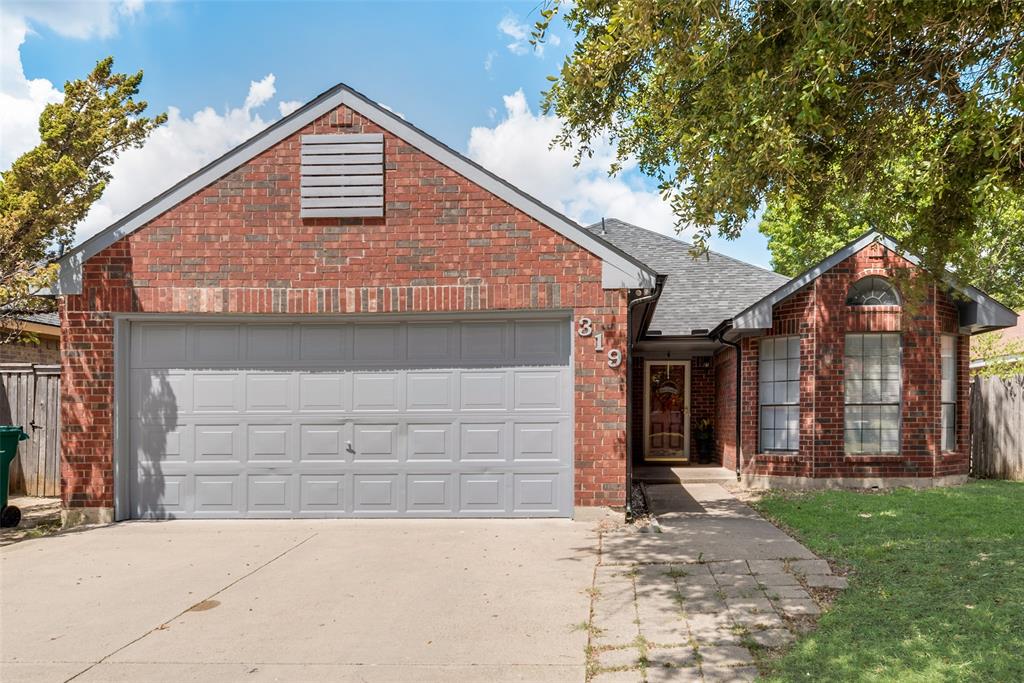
x,y
43,347
345,317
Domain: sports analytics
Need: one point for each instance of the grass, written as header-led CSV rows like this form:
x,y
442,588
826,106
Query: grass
x,y
936,584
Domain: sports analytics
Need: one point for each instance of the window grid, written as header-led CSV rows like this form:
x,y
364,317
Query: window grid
x,y
779,393
872,371
948,356
872,291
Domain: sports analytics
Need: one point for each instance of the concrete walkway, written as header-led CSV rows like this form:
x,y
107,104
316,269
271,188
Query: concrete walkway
x,y
690,602
326,600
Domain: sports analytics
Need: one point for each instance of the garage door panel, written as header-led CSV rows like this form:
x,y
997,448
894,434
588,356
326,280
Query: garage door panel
x,y
217,392
218,443
535,492
483,391
537,442
216,343
160,346
432,343
160,395
376,342
485,342
538,390
218,493
430,442
270,392
375,442
351,419
541,342
160,442
374,493
482,493
325,343
270,493
428,492
430,391
320,442
269,343
321,493
270,443
324,392
375,391
483,442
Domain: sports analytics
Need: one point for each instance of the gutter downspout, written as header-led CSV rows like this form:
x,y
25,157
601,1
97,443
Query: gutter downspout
x,y
629,394
739,397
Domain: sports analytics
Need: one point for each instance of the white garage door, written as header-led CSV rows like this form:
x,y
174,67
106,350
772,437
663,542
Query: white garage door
x,y
453,418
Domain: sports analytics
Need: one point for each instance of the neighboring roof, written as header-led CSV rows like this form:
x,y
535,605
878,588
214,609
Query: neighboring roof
x,y
41,318
620,269
698,294
978,312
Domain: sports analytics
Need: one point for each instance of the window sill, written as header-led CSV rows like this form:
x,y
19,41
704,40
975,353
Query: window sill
x,y
777,456
872,457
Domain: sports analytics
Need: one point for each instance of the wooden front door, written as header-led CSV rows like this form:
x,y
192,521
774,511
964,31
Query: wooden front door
x,y
666,410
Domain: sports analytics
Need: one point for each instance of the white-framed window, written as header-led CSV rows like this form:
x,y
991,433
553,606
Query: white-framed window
x,y
779,393
948,392
872,370
872,291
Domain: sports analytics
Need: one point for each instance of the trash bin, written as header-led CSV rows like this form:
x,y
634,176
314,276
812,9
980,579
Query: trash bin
x,y
9,438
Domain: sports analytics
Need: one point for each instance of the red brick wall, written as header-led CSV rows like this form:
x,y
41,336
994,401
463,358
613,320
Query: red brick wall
x,y
725,407
239,246
820,316
702,398
45,350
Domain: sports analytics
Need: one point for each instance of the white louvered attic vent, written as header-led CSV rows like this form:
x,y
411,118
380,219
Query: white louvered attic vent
x,y
343,175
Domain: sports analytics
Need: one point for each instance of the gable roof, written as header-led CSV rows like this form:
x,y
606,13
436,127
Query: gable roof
x,y
698,294
978,311
620,270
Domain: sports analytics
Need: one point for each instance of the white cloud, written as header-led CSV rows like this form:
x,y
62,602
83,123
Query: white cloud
x,y
489,60
260,92
517,149
176,149
519,33
288,106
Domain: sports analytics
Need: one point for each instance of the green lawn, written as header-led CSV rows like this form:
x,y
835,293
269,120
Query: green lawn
x,y
936,585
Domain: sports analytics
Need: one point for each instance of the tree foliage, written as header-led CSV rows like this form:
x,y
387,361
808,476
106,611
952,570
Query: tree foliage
x,y
50,188
992,259
811,107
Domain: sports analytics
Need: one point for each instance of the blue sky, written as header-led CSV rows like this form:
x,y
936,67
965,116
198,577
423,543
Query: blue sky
x,y
461,71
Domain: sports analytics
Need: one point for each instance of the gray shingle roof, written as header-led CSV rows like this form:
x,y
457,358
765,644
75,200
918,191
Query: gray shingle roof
x,y
41,318
698,293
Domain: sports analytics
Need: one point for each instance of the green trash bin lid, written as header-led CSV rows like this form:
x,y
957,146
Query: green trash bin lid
x,y
13,429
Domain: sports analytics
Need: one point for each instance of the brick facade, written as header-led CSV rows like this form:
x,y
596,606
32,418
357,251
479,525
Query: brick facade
x,y
45,351
820,316
239,247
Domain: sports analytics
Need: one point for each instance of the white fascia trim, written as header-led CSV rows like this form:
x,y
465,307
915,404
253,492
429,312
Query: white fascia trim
x,y
987,311
619,269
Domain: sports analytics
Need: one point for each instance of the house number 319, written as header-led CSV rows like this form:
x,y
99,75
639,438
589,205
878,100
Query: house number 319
x,y
585,328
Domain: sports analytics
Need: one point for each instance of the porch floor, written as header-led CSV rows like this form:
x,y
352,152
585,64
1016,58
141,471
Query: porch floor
x,y
687,474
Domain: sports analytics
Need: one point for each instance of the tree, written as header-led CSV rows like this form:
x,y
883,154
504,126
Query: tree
x,y
992,261
50,188
807,106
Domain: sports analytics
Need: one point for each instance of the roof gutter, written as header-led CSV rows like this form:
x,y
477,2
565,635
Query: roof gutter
x,y
630,336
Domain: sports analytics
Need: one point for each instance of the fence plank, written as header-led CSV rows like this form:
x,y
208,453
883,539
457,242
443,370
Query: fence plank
x,y
997,427
31,394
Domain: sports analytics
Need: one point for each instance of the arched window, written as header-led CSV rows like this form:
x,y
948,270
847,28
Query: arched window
x,y
872,291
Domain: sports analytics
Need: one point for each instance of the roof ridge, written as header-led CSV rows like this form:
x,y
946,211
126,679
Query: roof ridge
x,y
690,244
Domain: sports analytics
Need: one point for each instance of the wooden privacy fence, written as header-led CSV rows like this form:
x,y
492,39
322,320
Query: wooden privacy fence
x,y
997,427
30,397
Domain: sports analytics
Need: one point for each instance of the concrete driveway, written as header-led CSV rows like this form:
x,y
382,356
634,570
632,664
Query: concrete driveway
x,y
317,600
